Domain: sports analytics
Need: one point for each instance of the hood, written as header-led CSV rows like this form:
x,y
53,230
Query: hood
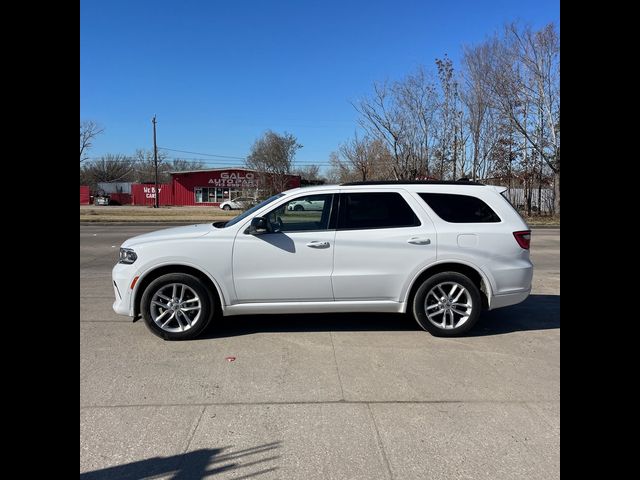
x,y
189,231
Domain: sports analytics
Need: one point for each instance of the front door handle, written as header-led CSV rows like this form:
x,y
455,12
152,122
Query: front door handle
x,y
317,244
419,240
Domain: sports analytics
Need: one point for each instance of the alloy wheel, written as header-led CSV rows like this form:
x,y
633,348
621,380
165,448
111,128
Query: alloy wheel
x,y
448,305
175,307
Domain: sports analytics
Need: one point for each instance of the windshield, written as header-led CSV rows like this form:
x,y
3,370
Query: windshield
x,y
244,215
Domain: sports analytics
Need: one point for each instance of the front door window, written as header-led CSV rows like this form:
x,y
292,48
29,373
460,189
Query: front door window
x,y
307,213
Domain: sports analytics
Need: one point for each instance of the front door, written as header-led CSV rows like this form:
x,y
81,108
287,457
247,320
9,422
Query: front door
x,y
293,262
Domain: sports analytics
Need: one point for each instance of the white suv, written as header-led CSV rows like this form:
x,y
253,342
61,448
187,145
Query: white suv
x,y
441,251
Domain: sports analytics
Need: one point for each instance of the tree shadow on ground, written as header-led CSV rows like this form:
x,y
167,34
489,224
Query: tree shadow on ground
x,y
194,465
537,312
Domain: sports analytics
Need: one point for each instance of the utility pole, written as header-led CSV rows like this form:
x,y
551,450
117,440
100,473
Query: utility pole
x,y
155,161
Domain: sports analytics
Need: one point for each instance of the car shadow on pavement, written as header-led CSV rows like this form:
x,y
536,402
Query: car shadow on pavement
x,y
194,465
537,312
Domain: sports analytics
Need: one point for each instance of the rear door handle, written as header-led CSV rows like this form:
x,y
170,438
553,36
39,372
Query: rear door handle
x,y
317,244
419,240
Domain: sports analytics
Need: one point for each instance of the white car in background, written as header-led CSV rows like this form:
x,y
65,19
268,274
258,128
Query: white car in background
x,y
240,203
306,205
439,251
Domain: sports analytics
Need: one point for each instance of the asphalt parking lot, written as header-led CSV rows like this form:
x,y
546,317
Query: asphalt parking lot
x,y
353,396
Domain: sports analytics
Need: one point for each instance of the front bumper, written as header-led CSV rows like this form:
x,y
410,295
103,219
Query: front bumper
x,y
122,275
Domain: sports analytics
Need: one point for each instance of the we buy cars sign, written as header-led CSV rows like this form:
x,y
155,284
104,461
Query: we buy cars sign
x,y
144,194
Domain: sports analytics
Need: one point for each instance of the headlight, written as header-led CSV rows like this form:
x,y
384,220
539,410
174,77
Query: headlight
x,y
127,256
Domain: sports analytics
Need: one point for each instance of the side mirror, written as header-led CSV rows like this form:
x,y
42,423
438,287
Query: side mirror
x,y
258,226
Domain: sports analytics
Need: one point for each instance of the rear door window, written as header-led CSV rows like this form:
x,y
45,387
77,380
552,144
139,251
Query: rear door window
x,y
375,210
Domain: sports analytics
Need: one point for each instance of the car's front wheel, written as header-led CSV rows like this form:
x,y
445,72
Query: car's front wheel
x,y
177,306
447,304
226,207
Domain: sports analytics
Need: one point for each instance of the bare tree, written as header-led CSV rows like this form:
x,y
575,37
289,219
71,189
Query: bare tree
x,y
88,131
139,167
476,100
368,157
500,120
400,115
418,97
109,168
145,169
383,118
272,156
524,70
449,114
491,134
308,172
340,170
145,166
180,165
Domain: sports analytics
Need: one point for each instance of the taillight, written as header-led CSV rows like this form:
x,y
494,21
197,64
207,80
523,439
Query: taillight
x,y
523,238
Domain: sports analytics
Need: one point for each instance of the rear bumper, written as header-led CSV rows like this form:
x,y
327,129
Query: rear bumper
x,y
511,281
499,301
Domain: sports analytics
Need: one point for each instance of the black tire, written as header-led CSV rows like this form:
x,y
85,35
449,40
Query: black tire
x,y
298,208
226,207
207,305
447,278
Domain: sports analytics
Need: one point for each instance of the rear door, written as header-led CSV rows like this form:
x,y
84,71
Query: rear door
x,y
380,243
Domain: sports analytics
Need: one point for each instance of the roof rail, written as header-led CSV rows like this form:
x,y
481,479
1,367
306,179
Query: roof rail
x,y
462,181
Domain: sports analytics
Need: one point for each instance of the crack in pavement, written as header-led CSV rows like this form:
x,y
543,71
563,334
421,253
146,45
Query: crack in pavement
x,y
337,368
322,402
379,439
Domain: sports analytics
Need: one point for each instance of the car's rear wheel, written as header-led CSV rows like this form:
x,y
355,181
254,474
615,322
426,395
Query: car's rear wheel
x,y
447,304
177,306
226,207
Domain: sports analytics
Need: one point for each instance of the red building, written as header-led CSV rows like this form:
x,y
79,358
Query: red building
x,y
84,195
216,185
197,187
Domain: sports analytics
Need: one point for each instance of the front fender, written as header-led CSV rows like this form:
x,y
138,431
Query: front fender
x,y
149,268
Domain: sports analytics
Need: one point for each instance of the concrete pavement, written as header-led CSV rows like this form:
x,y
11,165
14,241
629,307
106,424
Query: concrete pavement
x,y
318,396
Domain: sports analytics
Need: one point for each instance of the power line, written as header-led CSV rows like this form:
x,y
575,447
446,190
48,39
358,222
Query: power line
x,y
201,160
304,163
205,154
227,156
204,161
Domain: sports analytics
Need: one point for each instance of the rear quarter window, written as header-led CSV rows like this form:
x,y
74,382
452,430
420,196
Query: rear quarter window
x,y
455,208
